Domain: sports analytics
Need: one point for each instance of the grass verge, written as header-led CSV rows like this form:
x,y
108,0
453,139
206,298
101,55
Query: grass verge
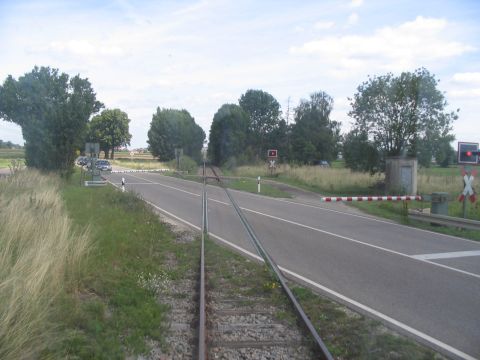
x,y
115,312
250,185
349,335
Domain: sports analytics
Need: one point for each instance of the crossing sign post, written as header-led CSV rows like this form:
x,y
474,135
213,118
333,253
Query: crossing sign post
x,y
468,190
272,155
467,153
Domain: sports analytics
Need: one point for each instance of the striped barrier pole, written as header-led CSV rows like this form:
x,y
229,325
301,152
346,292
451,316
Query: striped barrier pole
x,y
138,171
370,198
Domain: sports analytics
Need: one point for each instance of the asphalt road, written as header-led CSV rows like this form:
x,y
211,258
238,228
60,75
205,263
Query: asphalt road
x,y
422,283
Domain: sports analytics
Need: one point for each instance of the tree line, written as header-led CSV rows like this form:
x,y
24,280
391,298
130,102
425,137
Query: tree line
x,y
392,115
244,132
58,114
402,115
9,145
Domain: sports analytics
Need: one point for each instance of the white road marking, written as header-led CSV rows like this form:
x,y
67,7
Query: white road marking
x,y
140,183
382,316
364,243
447,255
333,293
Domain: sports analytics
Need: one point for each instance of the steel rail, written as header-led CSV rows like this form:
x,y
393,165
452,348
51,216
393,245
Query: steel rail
x,y
202,317
325,353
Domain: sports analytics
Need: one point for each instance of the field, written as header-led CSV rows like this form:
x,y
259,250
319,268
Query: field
x,y
135,156
12,154
7,155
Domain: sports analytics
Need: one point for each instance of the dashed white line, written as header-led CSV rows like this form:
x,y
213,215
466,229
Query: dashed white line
x,y
447,255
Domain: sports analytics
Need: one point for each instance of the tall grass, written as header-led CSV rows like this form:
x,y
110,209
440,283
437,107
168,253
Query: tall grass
x,y
343,181
40,255
331,180
429,181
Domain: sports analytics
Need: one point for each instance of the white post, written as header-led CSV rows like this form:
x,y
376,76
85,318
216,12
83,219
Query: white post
x,y
258,184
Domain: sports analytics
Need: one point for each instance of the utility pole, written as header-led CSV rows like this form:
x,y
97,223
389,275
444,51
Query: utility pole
x,y
288,129
288,109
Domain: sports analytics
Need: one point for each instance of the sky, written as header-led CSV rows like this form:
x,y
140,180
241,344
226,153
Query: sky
x,y
199,55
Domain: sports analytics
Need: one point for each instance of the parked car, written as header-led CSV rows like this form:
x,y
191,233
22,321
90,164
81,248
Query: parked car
x,y
82,160
103,165
322,163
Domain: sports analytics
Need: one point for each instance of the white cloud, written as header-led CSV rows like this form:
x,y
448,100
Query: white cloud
x,y
195,8
85,47
324,25
353,19
298,29
467,77
414,43
356,3
465,93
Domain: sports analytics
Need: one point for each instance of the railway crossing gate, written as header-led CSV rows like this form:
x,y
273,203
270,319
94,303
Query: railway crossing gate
x,y
272,156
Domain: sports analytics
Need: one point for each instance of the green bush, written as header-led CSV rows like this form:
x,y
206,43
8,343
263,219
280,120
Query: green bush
x,y
186,163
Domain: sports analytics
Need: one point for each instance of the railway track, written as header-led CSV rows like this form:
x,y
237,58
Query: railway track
x,y
235,321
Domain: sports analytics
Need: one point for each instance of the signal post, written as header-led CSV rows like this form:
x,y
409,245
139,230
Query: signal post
x,y
468,155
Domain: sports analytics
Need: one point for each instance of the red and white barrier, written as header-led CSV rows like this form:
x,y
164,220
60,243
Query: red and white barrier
x,y
138,171
371,198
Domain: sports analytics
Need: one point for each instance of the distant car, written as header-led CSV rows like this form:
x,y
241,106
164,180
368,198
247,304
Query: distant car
x,y
103,165
322,163
82,160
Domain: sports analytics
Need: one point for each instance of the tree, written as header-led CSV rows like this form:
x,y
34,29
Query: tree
x,y
360,153
263,112
171,129
314,136
437,148
110,130
53,111
398,113
444,153
278,139
228,134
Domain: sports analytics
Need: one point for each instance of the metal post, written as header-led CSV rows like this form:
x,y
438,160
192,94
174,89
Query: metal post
x,y
464,205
